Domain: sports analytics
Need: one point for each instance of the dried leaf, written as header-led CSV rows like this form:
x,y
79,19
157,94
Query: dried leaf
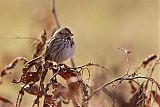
x,y
12,65
156,97
5,102
133,88
49,100
158,85
148,101
31,89
61,91
147,60
40,44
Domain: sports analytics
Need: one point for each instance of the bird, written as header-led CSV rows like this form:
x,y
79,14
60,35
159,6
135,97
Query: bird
x,y
61,46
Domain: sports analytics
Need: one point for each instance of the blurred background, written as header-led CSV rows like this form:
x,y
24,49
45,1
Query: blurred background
x,y
100,28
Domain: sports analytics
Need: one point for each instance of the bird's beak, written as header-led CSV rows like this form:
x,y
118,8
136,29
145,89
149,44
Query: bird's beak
x,y
72,34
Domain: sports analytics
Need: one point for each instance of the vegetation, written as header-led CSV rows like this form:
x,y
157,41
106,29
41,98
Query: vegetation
x,y
40,79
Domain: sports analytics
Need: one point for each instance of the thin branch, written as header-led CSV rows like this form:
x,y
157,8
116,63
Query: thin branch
x,y
72,62
58,25
54,14
126,53
120,79
18,37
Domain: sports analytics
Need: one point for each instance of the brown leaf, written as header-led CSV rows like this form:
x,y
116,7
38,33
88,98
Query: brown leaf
x,y
133,88
138,97
158,85
147,60
31,89
5,102
148,100
40,44
10,66
49,100
61,91
156,97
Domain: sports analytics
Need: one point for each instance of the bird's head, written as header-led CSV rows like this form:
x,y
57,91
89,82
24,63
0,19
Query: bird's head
x,y
63,33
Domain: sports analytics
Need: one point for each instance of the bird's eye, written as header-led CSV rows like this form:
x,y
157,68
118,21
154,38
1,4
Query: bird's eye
x,y
66,33
60,33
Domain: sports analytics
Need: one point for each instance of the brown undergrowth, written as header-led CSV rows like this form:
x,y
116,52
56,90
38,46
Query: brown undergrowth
x,y
144,89
34,73
54,93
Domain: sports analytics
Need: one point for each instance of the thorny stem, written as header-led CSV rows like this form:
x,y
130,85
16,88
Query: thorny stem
x,y
89,65
119,79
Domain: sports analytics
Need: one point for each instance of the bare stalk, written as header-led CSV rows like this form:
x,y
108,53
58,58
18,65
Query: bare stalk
x,y
58,25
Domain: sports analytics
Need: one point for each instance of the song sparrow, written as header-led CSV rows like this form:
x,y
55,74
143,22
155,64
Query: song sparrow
x,y
60,47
